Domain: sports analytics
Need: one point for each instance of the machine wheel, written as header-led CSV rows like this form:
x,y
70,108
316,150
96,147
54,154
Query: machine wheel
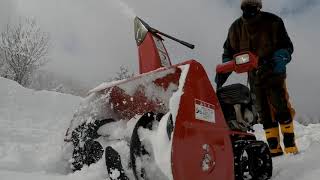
x,y
252,160
138,153
86,150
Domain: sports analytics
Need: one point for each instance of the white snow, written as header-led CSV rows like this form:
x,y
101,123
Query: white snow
x,y
175,99
130,85
114,174
306,164
33,124
160,143
207,162
106,85
174,108
32,127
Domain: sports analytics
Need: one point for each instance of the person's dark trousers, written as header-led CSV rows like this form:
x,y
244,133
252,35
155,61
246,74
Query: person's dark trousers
x,y
272,103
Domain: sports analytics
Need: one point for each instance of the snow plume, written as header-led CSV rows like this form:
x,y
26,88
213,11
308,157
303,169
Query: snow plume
x,y
125,9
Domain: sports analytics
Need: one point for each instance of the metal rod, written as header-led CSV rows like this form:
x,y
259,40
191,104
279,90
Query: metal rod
x,y
191,46
153,30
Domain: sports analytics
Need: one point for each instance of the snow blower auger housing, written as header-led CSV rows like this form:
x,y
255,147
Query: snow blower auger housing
x,y
166,123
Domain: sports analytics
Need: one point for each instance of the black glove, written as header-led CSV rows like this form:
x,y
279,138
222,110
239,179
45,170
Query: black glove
x,y
265,70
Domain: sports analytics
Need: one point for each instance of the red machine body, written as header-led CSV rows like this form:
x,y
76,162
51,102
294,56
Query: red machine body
x,y
202,143
193,139
152,54
232,66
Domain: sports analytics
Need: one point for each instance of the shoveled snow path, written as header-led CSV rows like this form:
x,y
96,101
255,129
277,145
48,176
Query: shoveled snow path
x,y
302,166
32,127
306,164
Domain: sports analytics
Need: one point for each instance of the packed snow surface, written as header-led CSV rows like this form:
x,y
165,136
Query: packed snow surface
x,y
33,124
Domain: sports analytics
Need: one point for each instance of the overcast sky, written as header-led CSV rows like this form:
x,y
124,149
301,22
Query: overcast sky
x,y
92,38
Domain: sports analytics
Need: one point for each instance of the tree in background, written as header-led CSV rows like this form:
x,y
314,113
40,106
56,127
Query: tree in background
x,y
123,73
23,49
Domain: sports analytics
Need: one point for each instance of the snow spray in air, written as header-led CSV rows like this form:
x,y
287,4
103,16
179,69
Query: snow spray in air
x,y
124,7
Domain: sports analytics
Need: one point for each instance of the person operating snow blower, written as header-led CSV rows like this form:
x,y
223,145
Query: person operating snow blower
x,y
265,35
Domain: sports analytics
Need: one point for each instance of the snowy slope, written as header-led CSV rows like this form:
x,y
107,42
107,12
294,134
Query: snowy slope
x,y
32,127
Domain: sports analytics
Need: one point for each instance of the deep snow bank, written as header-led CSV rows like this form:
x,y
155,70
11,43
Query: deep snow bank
x,y
32,126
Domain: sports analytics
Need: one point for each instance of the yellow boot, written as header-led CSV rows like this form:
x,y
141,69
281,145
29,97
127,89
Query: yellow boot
x,y
273,138
289,138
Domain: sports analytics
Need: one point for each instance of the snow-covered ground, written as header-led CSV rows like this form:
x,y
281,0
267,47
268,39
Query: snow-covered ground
x,y
33,123
305,165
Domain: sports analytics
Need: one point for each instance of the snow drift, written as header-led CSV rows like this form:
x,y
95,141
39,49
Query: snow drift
x,y
32,127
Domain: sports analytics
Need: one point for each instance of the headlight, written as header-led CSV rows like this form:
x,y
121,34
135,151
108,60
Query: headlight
x,y
140,31
242,59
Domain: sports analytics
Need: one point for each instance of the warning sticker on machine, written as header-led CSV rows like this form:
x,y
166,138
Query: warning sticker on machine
x,y
204,111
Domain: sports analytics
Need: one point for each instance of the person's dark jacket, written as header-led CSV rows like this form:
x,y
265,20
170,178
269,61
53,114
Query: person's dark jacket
x,y
262,35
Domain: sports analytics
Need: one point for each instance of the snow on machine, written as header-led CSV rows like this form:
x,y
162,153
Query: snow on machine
x,y
168,122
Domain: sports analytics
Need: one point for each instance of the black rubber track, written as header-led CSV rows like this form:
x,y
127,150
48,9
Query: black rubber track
x,y
257,162
92,150
113,162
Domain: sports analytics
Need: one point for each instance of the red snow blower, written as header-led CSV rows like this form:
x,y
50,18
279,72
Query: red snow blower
x,y
168,122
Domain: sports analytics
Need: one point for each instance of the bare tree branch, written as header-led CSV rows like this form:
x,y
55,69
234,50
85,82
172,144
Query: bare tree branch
x,y
23,48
